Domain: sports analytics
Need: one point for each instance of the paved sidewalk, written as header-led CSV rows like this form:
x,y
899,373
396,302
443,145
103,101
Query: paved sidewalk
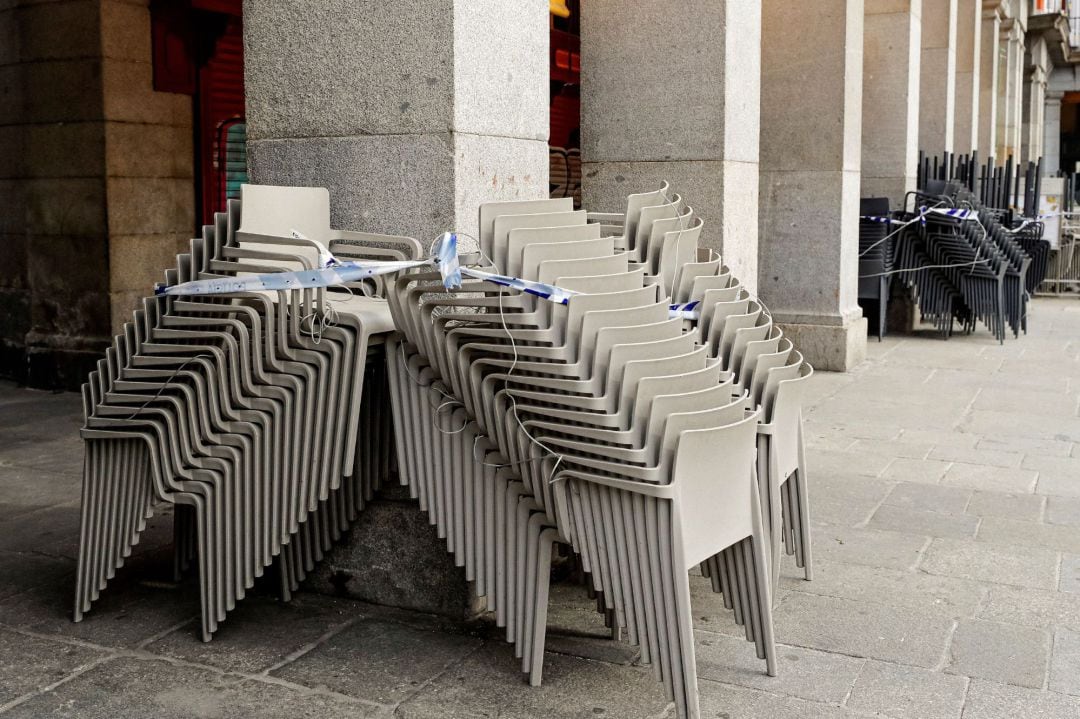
x,y
945,480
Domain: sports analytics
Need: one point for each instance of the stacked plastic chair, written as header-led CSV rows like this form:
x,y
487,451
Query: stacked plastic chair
x,y
260,421
650,424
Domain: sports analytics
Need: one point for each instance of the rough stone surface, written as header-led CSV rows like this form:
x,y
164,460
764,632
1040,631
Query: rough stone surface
x,y
1065,664
708,149
489,680
950,500
900,589
128,688
1070,574
992,700
863,629
933,524
379,660
1000,652
806,163
890,120
29,665
804,673
903,692
1031,607
393,556
986,562
1024,507
1063,510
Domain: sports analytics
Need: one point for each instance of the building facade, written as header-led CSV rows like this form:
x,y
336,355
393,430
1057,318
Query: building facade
x,y
126,123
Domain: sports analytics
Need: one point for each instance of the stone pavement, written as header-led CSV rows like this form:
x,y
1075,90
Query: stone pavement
x,y
945,482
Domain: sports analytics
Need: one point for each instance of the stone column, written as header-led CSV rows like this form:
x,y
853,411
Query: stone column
x,y
674,94
968,52
1034,103
1011,98
1019,51
937,90
411,113
890,140
811,113
990,43
1052,134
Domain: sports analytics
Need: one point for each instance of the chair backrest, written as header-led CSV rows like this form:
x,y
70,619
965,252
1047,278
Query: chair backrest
x,y
685,276
702,284
678,248
278,210
532,255
635,202
663,209
500,237
786,418
520,238
774,377
551,270
490,210
764,363
714,505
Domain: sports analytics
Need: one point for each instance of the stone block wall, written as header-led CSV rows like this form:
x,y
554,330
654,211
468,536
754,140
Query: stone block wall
x,y
96,181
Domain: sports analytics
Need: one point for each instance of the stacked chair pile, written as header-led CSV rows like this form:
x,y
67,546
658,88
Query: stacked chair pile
x,y
644,442
876,240
969,268
264,425
648,421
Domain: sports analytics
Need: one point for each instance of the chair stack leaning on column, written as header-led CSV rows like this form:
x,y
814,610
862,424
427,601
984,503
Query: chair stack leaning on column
x,y
260,419
623,423
634,403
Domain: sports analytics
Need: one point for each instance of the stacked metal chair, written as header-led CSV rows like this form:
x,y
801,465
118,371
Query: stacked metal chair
x,y
622,424
260,421
876,239
964,270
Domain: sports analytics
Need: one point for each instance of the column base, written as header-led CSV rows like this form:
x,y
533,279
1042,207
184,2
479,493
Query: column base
x,y
393,556
833,348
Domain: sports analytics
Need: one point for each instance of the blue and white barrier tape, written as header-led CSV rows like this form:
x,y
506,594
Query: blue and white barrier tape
x,y
336,273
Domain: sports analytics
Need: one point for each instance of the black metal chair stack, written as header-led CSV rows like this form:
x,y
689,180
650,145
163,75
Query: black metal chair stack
x,y
876,238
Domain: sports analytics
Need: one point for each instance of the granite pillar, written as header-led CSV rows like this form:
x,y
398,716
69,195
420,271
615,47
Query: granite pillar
x,y
674,95
1011,91
968,51
412,113
890,120
96,188
1034,103
1052,134
937,89
810,176
989,47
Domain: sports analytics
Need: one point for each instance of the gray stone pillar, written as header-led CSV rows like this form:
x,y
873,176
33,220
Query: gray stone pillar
x,y
968,52
810,174
1011,97
672,93
412,113
988,77
890,119
1052,134
1034,100
937,90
